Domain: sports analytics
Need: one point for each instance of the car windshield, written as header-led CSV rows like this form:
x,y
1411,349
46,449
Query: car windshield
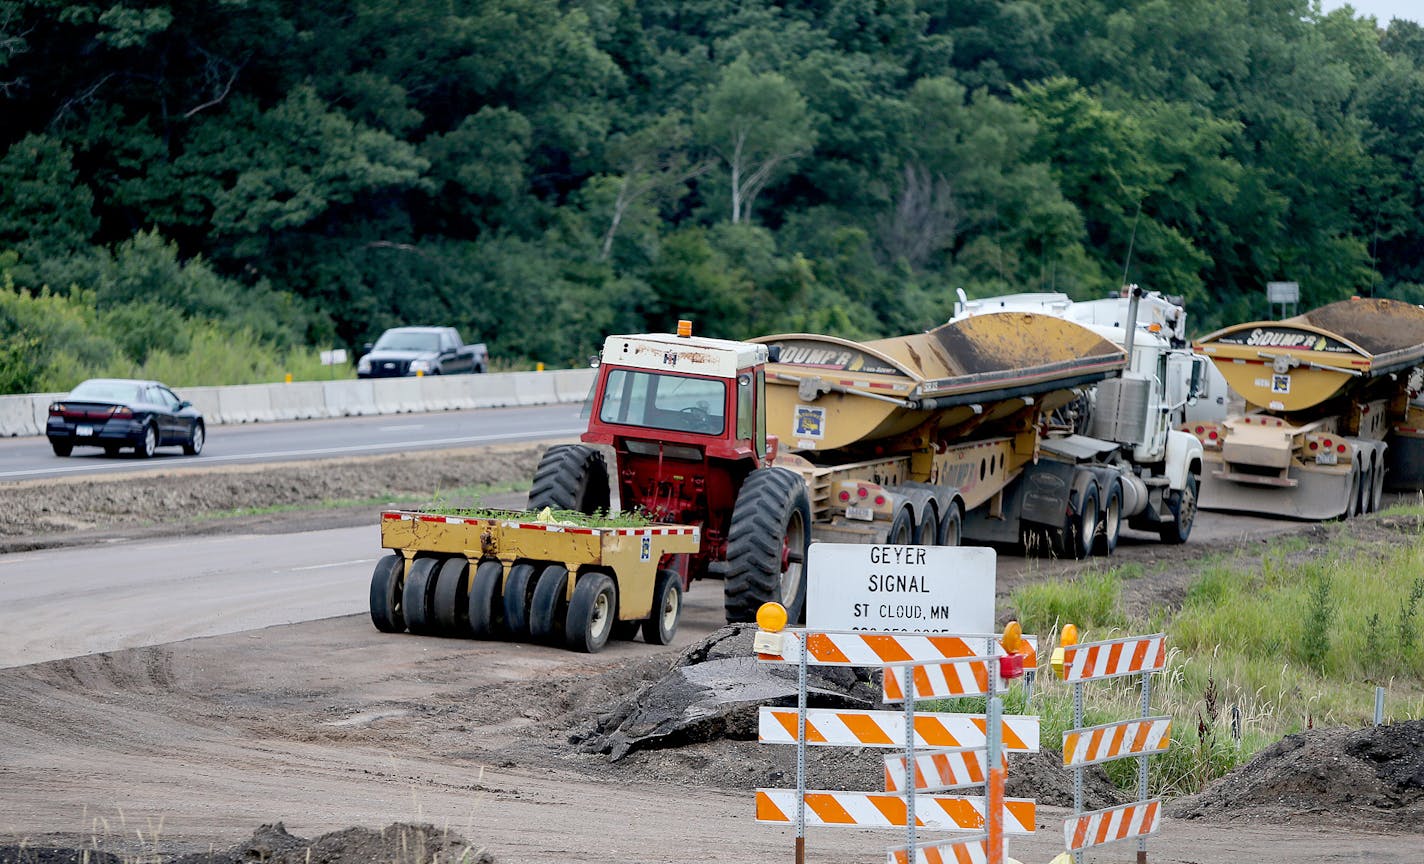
x,y
672,402
406,340
106,391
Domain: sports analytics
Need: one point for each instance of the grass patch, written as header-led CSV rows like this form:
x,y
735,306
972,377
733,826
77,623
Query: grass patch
x,y
470,494
1262,647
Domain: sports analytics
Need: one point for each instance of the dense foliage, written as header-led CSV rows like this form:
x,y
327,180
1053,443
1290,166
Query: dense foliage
x,y
276,177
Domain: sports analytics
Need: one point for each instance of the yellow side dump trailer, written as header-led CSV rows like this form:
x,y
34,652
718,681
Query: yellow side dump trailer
x,y
930,437
1329,418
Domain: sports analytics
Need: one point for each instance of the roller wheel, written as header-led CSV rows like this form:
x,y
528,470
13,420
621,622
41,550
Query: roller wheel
x,y
1075,540
548,596
1183,507
661,626
451,602
196,436
486,607
419,596
1110,526
387,588
571,477
517,586
61,448
927,532
951,528
592,613
767,542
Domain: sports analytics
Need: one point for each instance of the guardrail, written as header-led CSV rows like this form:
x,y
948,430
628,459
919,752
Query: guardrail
x,y
307,400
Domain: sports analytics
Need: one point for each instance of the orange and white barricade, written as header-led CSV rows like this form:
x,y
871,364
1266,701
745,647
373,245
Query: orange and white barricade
x,y
1113,824
886,810
1116,740
864,728
940,770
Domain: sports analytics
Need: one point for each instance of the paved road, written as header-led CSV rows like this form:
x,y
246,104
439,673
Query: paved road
x,y
31,458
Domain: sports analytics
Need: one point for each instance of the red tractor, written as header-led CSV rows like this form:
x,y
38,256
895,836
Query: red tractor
x,y
685,419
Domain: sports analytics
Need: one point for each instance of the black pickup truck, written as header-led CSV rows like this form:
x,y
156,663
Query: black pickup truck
x,y
421,351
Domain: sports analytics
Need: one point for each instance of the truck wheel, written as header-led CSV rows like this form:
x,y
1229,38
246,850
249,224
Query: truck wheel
x,y
661,626
544,606
1075,540
951,528
927,532
592,613
387,586
419,594
486,607
1367,483
517,586
1110,526
1352,494
767,541
571,477
451,601
1377,489
902,528
1183,507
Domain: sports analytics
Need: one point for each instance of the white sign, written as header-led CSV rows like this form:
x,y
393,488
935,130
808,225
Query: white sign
x,y
335,357
911,589
1282,292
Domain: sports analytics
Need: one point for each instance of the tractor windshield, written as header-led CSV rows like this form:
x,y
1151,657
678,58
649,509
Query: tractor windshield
x,y
655,400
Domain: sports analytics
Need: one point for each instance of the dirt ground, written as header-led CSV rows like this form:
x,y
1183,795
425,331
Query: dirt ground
x,y
331,742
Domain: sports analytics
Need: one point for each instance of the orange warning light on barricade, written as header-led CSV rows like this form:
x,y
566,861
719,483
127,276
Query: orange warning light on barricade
x,y
771,617
1068,637
1011,665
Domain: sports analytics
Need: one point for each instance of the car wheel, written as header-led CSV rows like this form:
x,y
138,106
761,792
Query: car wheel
x,y
196,437
149,444
61,448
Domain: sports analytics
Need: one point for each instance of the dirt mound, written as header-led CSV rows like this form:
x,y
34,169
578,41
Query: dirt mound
x,y
1375,775
398,843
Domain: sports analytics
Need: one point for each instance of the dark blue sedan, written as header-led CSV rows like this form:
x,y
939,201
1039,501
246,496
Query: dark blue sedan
x,y
117,412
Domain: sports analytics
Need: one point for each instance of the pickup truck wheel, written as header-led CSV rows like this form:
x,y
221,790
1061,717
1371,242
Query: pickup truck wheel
x,y
517,586
418,595
486,606
1075,540
387,587
661,626
451,598
571,477
1183,507
767,541
1110,526
592,612
548,596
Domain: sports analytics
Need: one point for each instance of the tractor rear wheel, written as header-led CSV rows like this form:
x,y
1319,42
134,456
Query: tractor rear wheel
x,y
592,612
387,587
661,626
486,607
571,477
767,542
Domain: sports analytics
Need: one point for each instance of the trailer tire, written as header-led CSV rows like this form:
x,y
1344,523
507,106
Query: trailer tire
x,y
517,586
951,528
1377,490
1110,525
767,541
571,477
544,618
419,595
1075,539
1367,483
387,587
927,532
1182,504
451,598
592,613
663,618
485,605
902,528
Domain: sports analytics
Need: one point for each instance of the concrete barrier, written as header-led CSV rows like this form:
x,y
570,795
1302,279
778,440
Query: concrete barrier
x,y
247,403
300,400
17,416
255,403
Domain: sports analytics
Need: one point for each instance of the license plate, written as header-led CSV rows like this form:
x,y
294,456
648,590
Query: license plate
x,y
863,513
1326,458
83,431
